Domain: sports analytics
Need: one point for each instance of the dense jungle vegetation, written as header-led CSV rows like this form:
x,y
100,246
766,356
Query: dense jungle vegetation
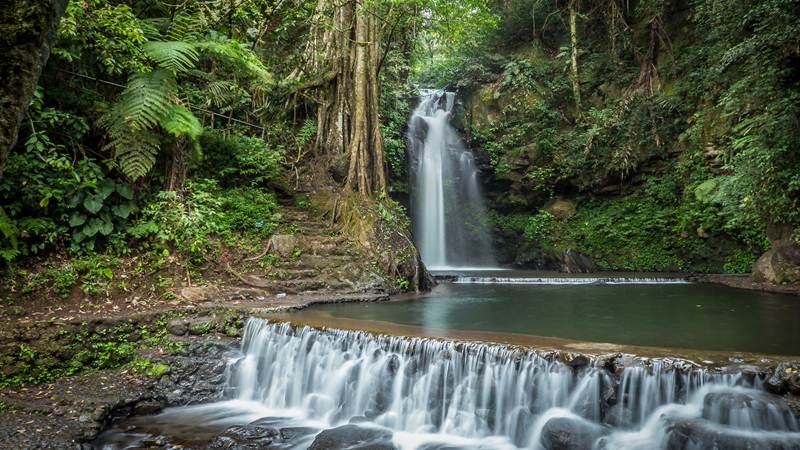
x,y
168,131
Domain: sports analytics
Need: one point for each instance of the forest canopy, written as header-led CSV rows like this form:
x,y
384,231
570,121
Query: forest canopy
x,y
153,120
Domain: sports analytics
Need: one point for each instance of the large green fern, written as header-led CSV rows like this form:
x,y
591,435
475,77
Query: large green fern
x,y
148,102
176,56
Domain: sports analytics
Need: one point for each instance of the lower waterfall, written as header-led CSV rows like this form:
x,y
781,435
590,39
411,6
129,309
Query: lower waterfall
x,y
436,394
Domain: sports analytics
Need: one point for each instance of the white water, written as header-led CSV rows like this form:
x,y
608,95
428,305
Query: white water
x,y
471,395
566,280
450,222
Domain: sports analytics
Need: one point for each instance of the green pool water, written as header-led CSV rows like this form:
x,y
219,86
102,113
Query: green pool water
x,y
692,316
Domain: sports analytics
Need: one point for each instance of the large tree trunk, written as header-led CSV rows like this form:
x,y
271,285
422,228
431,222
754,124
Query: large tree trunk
x,y
573,40
365,172
343,61
27,31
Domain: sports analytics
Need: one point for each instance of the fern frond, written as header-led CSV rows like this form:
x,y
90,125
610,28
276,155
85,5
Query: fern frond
x,y
237,55
154,28
134,151
221,92
146,99
180,121
176,56
186,26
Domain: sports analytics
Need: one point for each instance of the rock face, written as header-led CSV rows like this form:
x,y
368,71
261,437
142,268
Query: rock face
x,y
353,437
574,261
28,31
780,264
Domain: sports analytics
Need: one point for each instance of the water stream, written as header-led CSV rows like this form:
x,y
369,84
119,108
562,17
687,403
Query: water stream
x,y
416,393
450,222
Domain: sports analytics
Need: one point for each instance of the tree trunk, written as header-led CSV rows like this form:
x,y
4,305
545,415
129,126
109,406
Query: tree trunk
x,y
29,27
366,173
177,167
573,40
343,59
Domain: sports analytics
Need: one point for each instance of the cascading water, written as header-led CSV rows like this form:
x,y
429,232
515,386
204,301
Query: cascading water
x,y
450,222
430,394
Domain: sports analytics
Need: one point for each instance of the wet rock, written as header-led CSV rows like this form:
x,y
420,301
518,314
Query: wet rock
x,y
147,407
576,360
251,436
750,409
292,433
778,380
570,433
700,434
283,244
353,437
574,261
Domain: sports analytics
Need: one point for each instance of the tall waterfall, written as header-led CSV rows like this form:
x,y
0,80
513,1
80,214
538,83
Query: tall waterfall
x,y
433,394
450,222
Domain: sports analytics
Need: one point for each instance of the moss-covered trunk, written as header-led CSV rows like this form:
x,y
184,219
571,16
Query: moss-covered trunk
x,y
27,29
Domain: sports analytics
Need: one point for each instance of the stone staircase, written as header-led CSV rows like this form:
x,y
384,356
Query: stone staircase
x,y
309,257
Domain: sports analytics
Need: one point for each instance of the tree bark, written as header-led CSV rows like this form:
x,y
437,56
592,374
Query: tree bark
x,y
177,167
344,56
27,30
573,40
366,171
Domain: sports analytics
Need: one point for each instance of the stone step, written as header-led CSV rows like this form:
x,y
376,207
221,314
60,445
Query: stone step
x,y
308,261
326,249
293,274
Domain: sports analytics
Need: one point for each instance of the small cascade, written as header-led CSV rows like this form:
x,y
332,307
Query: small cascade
x,y
431,394
564,280
450,221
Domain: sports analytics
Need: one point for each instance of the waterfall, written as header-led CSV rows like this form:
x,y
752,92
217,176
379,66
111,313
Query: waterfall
x,y
442,394
450,221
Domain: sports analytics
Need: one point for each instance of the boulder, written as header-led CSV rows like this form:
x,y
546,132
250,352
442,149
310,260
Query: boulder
x,y
560,208
283,244
779,265
353,437
570,433
783,379
700,434
749,409
251,436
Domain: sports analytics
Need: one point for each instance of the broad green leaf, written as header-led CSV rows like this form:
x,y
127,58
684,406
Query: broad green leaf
x,y
104,189
75,200
106,228
93,227
122,211
77,219
93,204
125,190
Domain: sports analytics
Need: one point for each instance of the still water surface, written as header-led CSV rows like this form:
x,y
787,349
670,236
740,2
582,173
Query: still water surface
x,y
692,316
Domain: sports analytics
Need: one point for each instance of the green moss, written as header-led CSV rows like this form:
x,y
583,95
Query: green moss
x,y
147,367
67,350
